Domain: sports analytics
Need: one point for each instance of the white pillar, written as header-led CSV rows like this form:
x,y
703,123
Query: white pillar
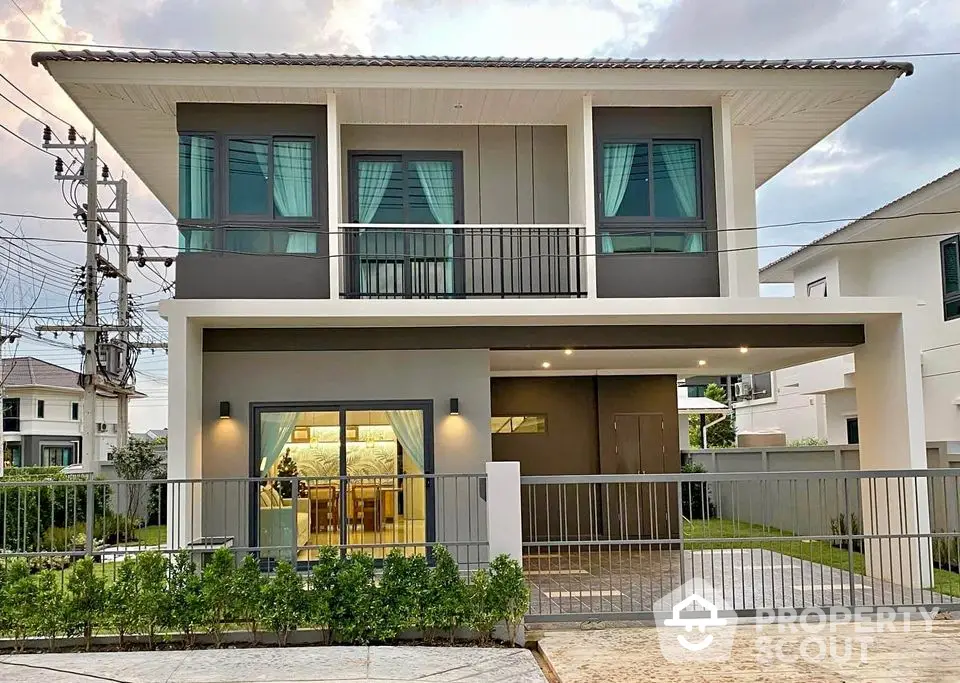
x,y
723,176
891,425
184,425
504,533
746,273
580,181
333,193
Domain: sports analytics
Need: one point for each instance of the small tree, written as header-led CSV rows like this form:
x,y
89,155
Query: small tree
x,y
283,602
49,621
138,460
287,467
187,608
509,594
445,607
217,587
723,434
323,587
153,600
123,597
85,598
19,602
246,594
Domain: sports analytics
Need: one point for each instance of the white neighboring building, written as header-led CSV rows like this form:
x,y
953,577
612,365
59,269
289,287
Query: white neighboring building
x,y
42,415
819,399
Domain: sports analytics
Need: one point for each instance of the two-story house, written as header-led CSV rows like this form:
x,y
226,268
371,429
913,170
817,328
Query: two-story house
x,y
908,247
42,417
422,264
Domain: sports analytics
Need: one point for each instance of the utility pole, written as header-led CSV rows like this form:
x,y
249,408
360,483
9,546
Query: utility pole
x,y
90,313
123,312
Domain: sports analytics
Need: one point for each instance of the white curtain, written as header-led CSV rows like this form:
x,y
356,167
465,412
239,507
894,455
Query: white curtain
x,y
617,162
293,178
373,177
275,431
681,164
301,242
408,427
436,179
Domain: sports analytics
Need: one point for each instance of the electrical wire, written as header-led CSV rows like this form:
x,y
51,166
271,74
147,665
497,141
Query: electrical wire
x,y
27,142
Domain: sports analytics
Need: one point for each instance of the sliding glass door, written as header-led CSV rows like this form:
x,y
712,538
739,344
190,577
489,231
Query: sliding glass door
x,y
349,475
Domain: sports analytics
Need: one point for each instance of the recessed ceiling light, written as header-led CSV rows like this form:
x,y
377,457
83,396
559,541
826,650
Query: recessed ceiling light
x,y
568,352
743,349
545,364
701,363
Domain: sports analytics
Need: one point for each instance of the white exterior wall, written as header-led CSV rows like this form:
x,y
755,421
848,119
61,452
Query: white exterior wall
x,y
840,405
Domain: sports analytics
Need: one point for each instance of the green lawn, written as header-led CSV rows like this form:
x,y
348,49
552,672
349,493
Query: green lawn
x,y
945,582
150,537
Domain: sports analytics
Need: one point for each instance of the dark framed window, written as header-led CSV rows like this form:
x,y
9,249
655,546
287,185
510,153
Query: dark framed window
x,y
40,408
406,187
817,288
950,272
270,177
197,163
11,414
853,430
519,424
74,411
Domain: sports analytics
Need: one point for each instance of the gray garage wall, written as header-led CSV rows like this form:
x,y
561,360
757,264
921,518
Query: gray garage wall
x,y
461,443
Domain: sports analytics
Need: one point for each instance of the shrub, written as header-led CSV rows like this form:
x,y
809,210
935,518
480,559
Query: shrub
x,y
217,586
283,602
19,603
482,612
153,600
946,552
807,441
400,593
85,599
355,613
34,506
123,600
838,528
49,621
445,606
695,495
246,594
187,608
509,593
322,591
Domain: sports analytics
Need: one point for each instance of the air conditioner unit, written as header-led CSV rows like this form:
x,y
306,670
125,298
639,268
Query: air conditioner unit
x,y
743,390
101,427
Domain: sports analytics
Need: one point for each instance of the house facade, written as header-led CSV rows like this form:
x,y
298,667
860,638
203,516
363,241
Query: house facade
x,y
42,416
908,247
407,266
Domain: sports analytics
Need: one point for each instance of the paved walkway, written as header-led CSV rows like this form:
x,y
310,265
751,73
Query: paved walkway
x,y
633,654
265,665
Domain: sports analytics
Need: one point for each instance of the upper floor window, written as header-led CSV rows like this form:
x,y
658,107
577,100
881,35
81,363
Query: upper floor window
x,y
651,180
817,288
270,177
74,411
421,187
950,270
40,409
11,414
197,154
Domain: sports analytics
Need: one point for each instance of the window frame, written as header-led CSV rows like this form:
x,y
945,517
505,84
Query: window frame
x,y
949,298
200,222
74,410
541,416
41,409
811,286
852,421
15,417
258,220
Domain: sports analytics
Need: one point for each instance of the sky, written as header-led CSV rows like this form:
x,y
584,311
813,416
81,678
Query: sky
x,y
907,138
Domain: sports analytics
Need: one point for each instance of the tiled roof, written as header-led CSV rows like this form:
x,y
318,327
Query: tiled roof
x,y
867,217
284,59
27,371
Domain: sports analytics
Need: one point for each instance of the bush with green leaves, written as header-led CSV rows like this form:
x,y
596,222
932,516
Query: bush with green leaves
x,y
153,599
322,589
509,593
123,600
283,602
401,592
483,613
247,594
446,606
355,610
217,586
186,591
48,613
85,600
19,603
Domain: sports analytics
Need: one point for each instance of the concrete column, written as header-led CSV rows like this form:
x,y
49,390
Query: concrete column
x,y
580,178
184,423
333,192
503,510
723,174
746,273
890,412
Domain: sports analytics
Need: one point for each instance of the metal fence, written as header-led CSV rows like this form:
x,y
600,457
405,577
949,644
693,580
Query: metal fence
x,y
625,547
52,523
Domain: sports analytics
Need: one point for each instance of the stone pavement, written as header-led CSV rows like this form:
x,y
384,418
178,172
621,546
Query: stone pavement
x,y
633,654
265,665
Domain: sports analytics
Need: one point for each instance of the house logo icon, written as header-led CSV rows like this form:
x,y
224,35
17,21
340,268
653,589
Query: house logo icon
x,y
695,623
690,623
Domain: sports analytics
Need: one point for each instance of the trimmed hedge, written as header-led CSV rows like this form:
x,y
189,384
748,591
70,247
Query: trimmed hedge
x,y
343,596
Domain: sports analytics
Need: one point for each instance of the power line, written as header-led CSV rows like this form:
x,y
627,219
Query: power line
x,y
17,88
27,17
27,142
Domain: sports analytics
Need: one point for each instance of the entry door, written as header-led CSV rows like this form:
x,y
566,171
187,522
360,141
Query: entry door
x,y
640,509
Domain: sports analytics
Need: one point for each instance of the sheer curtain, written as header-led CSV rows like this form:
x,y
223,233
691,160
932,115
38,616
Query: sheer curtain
x,y
680,160
275,431
617,162
301,242
373,177
197,170
293,178
408,427
436,179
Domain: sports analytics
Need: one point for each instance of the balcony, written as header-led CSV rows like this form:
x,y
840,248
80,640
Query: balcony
x,y
429,261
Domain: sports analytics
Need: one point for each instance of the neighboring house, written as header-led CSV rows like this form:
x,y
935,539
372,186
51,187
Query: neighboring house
x,y
419,265
893,259
42,415
151,435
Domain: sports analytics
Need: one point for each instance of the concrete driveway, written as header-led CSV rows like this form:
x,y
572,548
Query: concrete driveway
x,y
263,665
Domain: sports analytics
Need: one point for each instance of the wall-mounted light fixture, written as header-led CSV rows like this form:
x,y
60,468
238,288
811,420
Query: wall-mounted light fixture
x,y
224,409
454,406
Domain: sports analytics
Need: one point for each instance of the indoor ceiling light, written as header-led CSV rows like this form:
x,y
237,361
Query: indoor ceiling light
x,y
545,364
568,352
743,349
701,363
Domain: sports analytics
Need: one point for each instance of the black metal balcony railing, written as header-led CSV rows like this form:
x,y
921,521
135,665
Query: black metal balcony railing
x,y
458,261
